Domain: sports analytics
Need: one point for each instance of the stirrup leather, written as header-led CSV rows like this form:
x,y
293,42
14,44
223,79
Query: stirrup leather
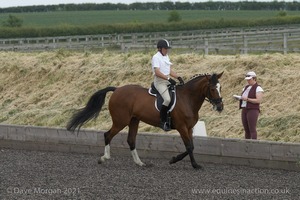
x,y
165,126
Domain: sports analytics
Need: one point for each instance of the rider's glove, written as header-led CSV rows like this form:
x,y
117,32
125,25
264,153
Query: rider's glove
x,y
180,80
172,81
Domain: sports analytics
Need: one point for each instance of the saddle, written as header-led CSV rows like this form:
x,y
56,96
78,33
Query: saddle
x,y
159,100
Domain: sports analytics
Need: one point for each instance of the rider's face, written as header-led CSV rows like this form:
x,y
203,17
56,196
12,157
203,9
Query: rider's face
x,y
164,51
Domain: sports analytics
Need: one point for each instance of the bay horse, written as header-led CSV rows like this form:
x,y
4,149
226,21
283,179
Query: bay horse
x,y
130,104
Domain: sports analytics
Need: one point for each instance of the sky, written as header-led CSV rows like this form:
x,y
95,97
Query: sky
x,y
13,3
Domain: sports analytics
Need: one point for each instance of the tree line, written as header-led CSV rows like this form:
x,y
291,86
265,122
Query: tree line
x,y
167,5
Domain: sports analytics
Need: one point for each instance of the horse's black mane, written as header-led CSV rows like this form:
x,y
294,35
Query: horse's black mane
x,y
214,78
199,75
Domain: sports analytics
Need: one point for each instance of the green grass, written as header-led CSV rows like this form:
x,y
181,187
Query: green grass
x,y
46,19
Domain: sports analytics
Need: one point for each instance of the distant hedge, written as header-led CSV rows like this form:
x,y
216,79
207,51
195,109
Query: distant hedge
x,y
69,30
165,5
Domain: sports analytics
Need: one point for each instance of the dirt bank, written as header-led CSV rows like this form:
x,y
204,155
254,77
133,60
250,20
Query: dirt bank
x,y
43,89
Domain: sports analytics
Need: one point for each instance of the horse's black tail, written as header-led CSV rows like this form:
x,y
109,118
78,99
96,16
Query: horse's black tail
x,y
90,111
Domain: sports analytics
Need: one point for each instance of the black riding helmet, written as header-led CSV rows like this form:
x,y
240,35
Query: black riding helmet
x,y
163,44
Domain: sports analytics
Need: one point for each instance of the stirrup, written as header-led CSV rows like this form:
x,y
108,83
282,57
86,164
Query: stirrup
x,y
165,126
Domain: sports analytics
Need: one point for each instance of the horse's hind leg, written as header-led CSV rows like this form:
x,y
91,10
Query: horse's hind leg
x,y
108,137
133,128
106,155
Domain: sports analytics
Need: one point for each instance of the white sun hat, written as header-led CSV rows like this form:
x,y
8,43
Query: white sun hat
x,y
250,75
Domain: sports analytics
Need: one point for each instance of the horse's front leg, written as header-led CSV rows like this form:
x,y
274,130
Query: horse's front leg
x,y
187,137
190,149
179,157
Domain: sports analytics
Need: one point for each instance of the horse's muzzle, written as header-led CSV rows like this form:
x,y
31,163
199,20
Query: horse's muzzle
x,y
220,107
218,104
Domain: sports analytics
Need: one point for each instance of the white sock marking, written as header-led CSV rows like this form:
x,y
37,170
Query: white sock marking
x,y
106,155
136,158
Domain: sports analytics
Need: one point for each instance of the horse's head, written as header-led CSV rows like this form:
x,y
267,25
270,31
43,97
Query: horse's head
x,y
213,94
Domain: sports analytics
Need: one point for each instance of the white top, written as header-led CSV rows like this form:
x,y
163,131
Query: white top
x,y
161,62
246,92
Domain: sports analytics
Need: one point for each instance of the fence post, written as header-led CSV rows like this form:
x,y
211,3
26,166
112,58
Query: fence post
x,y
284,43
69,42
245,42
206,46
102,41
134,38
120,39
54,43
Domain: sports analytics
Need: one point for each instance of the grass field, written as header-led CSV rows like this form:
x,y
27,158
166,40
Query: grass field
x,y
46,19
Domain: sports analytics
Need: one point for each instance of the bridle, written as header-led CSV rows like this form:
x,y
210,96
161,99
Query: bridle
x,y
213,101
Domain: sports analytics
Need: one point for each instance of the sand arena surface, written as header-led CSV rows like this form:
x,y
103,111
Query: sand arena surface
x,y
55,175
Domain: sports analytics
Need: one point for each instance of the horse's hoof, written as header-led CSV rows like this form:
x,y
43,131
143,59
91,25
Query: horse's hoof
x,y
101,160
173,160
198,167
141,164
148,165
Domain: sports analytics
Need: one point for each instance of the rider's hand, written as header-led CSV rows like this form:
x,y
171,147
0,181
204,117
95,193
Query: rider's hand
x,y
172,81
180,80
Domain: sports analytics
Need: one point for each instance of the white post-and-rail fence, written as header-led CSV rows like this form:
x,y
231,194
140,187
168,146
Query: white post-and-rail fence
x,y
214,41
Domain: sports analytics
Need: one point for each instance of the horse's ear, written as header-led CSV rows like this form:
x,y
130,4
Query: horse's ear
x,y
206,76
219,75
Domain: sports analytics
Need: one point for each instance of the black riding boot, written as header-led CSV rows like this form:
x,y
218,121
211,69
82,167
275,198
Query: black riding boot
x,y
163,118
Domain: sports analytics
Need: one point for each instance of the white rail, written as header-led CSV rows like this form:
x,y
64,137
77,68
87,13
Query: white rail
x,y
223,41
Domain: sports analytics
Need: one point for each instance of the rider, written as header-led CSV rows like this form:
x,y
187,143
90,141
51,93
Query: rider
x,y
161,67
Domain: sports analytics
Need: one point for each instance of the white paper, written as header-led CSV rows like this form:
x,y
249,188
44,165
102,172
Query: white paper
x,y
237,97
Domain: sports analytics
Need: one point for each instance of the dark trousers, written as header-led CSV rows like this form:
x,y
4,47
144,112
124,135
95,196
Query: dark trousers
x,y
249,120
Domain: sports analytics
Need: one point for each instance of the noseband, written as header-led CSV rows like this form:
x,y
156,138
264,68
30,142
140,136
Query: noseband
x,y
213,101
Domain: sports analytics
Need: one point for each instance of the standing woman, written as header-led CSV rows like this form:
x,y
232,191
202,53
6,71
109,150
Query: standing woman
x,y
163,72
249,103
